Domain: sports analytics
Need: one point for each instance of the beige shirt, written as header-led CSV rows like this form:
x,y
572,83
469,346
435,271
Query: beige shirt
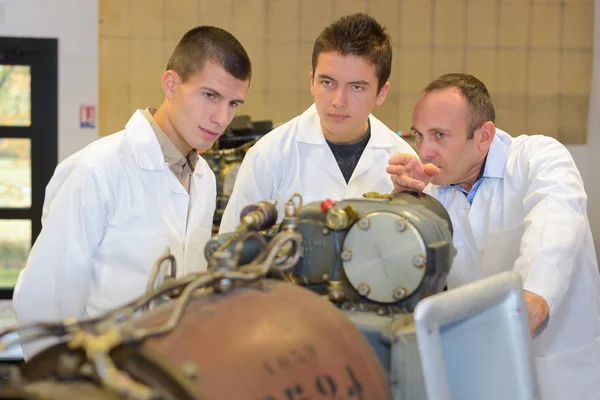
x,y
182,167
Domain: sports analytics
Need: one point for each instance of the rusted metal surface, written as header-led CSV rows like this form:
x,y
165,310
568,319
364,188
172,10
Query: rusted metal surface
x,y
268,342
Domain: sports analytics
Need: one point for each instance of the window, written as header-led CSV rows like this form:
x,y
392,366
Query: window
x,y
15,95
28,146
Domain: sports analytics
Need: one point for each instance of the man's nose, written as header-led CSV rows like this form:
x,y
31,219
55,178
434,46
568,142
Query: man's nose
x,y
220,115
339,98
426,150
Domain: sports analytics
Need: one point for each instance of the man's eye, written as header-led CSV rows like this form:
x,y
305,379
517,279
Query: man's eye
x,y
357,88
209,96
418,135
326,83
440,135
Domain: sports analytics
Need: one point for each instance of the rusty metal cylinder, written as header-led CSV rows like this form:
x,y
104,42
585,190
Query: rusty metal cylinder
x,y
268,341
272,341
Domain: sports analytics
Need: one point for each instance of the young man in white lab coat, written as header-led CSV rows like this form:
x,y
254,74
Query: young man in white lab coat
x,y
335,149
516,204
113,208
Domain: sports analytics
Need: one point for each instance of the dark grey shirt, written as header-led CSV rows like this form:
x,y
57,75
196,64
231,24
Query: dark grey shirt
x,y
347,155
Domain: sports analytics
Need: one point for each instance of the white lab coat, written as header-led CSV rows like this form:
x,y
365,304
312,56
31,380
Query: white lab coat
x,y
110,211
296,158
529,214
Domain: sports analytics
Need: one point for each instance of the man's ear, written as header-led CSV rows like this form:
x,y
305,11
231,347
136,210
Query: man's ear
x,y
170,81
382,94
485,135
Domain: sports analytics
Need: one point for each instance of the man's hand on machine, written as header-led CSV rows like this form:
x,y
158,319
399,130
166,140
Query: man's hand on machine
x,y
537,310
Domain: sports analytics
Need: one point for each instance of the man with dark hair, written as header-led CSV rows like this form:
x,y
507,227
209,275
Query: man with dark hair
x,y
335,149
113,208
515,204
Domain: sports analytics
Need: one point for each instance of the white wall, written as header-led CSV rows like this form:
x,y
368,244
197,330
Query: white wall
x,y
75,24
587,156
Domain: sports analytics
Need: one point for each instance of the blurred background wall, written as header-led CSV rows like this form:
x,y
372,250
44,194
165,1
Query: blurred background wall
x,y
535,56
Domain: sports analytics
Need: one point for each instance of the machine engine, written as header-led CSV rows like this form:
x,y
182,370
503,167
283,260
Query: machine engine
x,y
231,333
383,253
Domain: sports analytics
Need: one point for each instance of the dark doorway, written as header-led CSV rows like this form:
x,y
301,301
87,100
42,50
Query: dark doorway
x,y
28,146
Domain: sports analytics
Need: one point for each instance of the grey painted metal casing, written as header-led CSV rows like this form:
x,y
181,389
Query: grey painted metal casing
x,y
375,252
468,343
395,342
474,342
397,251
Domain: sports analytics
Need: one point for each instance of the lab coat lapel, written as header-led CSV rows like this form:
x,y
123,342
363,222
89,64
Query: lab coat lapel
x,y
366,161
324,158
478,220
174,184
147,152
310,134
380,139
466,265
484,216
198,190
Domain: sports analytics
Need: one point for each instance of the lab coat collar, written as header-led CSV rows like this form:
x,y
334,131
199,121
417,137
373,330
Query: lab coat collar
x,y
309,130
144,144
495,163
497,156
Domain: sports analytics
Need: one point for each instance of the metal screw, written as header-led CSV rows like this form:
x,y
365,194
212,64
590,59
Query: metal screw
x,y
325,277
347,255
363,289
336,219
190,370
381,311
335,291
225,285
400,226
399,293
419,261
364,224
325,231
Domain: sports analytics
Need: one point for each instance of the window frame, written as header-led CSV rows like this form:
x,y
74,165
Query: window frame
x,y
41,55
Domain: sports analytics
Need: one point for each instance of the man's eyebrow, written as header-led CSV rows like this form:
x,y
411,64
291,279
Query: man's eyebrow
x,y
213,91
219,95
433,130
361,82
323,76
